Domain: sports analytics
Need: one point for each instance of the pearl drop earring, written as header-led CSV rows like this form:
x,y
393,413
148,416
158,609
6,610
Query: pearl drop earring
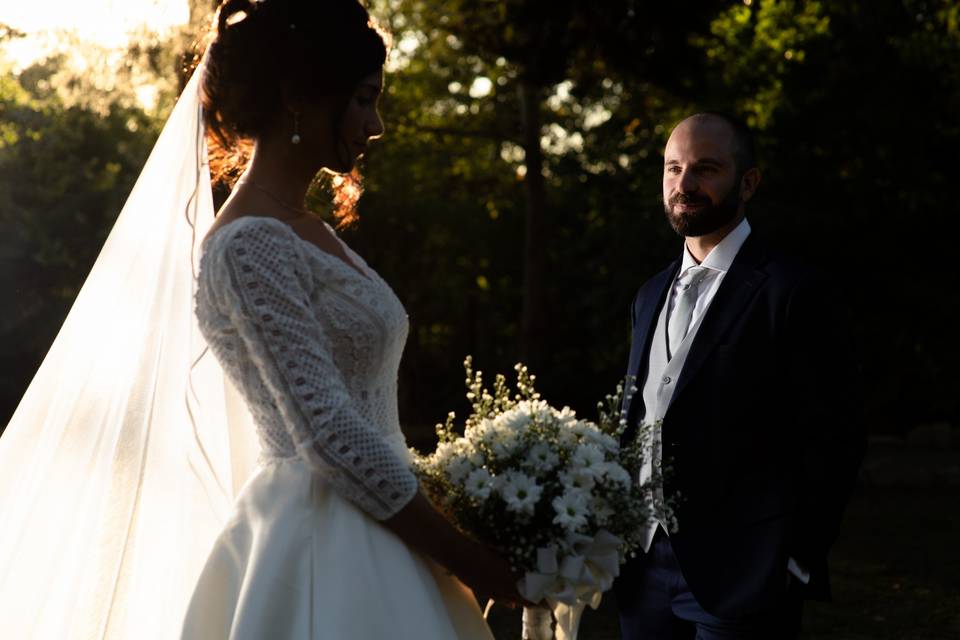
x,y
295,139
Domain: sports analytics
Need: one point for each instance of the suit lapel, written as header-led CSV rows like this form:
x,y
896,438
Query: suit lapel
x,y
643,326
739,285
652,299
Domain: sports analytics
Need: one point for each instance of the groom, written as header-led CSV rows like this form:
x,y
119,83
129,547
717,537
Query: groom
x,y
746,359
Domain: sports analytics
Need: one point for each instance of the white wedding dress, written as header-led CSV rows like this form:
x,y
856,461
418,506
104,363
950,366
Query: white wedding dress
x,y
314,344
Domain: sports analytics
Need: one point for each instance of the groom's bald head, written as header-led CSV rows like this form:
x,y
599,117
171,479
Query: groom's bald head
x,y
727,130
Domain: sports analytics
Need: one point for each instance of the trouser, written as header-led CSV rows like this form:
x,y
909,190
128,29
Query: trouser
x,y
656,603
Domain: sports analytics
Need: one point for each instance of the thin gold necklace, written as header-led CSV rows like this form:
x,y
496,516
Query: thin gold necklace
x,y
275,198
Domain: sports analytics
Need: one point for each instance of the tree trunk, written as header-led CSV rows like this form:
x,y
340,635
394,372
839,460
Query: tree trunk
x,y
532,322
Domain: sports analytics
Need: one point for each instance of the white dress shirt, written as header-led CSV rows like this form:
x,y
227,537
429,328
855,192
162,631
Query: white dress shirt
x,y
718,262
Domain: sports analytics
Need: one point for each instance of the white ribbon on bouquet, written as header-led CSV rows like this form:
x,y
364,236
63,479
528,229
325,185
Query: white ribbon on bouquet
x,y
567,585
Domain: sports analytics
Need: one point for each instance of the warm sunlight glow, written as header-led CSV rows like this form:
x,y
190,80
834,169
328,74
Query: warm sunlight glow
x,y
104,22
481,87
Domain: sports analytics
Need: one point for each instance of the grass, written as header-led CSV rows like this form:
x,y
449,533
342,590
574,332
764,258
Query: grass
x,y
896,574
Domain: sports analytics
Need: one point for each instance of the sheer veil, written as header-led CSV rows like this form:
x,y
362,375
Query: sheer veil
x,y
120,465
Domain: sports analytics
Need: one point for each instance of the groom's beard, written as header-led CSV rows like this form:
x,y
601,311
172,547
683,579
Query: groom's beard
x,y
706,220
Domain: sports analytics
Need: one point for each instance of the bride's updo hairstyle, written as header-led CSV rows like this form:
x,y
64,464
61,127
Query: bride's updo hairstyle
x,y
261,49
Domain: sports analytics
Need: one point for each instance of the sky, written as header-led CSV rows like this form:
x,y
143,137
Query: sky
x,y
105,22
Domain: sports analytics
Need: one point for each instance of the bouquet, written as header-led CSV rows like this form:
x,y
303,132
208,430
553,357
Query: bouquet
x,y
555,494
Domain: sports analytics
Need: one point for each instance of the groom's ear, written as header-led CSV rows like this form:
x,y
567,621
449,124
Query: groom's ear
x,y
749,183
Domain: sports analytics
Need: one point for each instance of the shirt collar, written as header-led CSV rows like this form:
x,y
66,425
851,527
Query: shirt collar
x,y
721,256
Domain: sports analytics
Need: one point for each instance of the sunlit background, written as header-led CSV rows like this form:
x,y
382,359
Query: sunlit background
x,y
93,37
108,23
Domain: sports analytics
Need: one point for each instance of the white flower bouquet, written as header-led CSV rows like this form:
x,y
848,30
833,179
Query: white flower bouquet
x,y
555,494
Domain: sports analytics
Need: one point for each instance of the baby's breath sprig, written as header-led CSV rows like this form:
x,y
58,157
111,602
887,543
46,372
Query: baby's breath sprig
x,y
501,395
445,430
611,418
487,405
525,383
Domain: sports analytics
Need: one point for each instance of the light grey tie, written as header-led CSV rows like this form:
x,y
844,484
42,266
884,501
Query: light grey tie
x,y
679,322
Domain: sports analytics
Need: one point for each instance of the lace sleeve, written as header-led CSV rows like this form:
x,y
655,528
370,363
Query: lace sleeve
x,y
269,305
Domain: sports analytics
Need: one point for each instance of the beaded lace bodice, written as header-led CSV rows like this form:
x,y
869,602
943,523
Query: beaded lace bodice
x,y
314,347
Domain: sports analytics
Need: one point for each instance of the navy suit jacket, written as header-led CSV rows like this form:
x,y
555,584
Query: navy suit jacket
x,y
763,431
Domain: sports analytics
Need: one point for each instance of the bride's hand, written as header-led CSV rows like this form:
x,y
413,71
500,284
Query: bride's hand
x,y
423,528
489,576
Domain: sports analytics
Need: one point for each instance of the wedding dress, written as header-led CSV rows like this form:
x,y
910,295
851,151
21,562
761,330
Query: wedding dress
x,y
314,344
131,502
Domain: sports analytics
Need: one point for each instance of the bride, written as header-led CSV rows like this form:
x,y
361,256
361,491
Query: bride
x,y
327,536
129,505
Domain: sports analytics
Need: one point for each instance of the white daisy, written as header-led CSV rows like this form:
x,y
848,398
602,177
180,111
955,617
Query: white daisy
x,y
542,412
616,473
484,432
571,510
567,438
520,492
458,468
505,442
602,511
542,457
567,418
592,434
577,479
588,458
479,484
445,451
515,419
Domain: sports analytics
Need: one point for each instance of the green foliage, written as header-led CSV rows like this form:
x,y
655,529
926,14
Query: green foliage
x,y
65,172
757,46
855,153
856,106
841,96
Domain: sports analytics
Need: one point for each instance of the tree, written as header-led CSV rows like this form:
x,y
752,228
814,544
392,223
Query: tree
x,y
858,105
65,172
466,209
520,50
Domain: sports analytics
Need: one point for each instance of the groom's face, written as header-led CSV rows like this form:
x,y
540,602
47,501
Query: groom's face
x,y
701,184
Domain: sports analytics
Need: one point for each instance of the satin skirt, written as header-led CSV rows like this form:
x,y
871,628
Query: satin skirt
x,y
298,561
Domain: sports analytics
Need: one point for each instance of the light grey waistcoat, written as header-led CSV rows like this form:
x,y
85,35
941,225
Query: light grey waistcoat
x,y
657,393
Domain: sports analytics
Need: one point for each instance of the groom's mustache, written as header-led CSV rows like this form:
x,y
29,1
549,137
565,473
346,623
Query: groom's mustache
x,y
690,198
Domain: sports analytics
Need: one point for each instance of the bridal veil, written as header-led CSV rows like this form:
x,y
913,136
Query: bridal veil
x,y
122,460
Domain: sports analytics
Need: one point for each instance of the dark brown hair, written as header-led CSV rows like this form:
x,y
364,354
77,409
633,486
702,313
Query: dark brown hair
x,y
261,49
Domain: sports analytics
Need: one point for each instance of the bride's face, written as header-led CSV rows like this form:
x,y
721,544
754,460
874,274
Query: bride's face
x,y
359,122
